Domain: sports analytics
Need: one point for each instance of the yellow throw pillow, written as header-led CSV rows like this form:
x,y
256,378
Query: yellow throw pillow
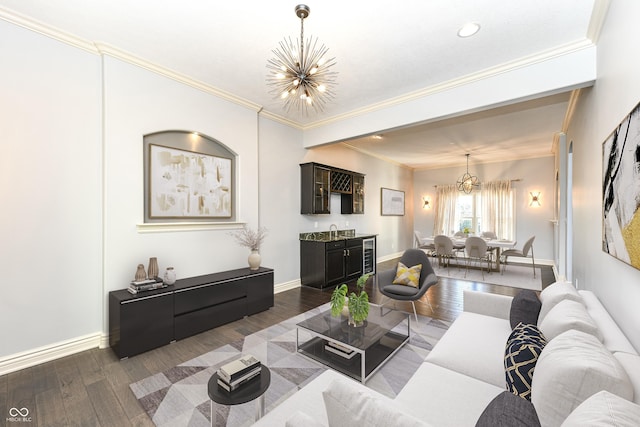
x,y
408,276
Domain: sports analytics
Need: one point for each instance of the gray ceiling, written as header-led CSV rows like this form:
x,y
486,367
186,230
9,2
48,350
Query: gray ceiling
x,y
384,50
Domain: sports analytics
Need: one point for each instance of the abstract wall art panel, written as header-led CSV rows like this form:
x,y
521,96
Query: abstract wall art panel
x,y
621,191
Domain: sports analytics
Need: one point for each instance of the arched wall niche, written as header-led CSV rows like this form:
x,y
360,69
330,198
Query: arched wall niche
x,y
188,177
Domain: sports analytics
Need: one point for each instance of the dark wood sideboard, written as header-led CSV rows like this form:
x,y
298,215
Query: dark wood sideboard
x,y
142,322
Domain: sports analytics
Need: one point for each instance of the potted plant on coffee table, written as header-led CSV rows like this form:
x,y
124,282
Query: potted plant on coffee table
x,y
357,302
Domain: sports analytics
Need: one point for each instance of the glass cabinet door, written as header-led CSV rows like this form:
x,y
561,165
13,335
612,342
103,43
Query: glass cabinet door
x,y
321,190
358,194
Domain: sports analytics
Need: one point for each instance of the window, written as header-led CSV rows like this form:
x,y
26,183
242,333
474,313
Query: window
x,y
490,209
468,213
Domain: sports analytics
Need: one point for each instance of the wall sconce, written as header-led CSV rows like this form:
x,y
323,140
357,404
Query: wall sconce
x,y
426,202
535,199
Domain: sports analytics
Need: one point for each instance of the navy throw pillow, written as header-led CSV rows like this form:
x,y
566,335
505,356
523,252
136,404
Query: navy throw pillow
x,y
522,350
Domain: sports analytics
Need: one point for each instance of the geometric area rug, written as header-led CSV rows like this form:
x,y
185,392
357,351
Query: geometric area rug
x,y
178,396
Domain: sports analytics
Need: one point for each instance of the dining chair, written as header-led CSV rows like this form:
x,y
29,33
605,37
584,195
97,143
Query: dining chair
x,y
444,250
459,247
476,249
490,235
522,253
430,248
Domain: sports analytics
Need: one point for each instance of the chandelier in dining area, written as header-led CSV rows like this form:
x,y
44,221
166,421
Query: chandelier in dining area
x,y
299,73
467,182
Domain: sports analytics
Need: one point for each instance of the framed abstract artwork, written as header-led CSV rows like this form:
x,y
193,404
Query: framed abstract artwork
x,y
187,184
391,202
621,191
188,177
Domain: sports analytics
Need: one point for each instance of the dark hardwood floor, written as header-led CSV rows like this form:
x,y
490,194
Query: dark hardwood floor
x,y
92,388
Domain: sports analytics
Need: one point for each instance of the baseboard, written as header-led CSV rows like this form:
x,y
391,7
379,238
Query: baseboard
x,y
389,257
281,287
48,353
104,340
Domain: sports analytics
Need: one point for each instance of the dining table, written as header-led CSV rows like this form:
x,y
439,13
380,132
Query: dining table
x,y
498,244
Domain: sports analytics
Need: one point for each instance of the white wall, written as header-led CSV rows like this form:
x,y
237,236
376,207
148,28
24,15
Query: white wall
x,y
598,112
50,187
536,174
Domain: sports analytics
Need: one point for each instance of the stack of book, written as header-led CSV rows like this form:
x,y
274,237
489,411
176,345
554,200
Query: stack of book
x,y
338,349
145,285
237,373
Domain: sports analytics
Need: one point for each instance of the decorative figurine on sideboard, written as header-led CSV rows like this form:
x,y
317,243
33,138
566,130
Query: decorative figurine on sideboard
x,y
152,271
140,273
169,276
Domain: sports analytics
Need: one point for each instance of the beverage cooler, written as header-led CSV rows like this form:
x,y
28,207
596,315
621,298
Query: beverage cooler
x,y
369,256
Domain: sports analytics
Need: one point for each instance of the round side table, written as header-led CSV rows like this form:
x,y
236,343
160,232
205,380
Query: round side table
x,y
253,389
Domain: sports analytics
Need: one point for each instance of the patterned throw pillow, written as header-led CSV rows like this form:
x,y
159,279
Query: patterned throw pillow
x,y
523,348
409,276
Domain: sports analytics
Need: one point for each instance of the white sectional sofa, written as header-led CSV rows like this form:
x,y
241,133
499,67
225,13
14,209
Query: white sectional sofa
x,y
587,365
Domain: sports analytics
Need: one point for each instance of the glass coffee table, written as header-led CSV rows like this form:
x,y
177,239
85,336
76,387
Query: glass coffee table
x,y
354,351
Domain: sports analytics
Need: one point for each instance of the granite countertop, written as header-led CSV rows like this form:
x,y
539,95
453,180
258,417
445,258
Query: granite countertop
x,y
326,236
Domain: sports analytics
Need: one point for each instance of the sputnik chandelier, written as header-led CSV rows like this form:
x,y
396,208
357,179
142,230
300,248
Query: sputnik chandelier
x,y
467,182
299,73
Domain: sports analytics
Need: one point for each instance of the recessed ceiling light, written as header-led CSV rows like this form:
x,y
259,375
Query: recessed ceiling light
x,y
469,29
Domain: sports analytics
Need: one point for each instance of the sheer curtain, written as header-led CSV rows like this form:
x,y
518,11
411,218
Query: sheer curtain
x,y
498,209
446,197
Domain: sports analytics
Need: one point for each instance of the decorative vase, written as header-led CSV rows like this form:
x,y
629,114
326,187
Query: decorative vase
x,y
140,273
152,271
254,259
169,276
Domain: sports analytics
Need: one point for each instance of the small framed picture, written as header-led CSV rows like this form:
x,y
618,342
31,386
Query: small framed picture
x,y
391,202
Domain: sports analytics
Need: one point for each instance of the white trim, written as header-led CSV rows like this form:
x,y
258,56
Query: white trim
x,y
99,48
390,257
165,227
537,58
600,8
29,358
114,52
286,286
47,30
104,341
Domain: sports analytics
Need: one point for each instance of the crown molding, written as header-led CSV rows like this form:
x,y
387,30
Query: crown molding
x,y
377,156
600,8
47,30
100,48
571,109
105,49
468,79
280,119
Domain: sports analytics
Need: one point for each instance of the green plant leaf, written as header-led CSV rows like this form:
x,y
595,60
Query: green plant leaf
x,y
362,280
359,306
337,299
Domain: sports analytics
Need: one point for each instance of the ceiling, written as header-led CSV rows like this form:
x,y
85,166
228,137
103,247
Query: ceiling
x,y
383,49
